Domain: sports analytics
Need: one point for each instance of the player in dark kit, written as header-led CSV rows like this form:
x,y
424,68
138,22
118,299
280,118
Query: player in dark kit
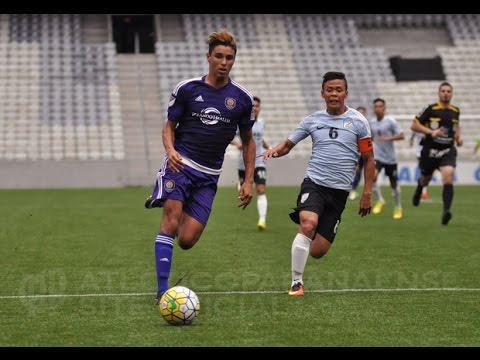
x,y
440,122
203,116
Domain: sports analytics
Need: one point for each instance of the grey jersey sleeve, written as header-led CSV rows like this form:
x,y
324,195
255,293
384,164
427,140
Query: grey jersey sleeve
x,y
363,128
396,129
300,133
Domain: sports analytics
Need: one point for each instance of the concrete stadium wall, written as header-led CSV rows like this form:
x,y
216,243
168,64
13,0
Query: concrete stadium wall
x,y
92,174
61,174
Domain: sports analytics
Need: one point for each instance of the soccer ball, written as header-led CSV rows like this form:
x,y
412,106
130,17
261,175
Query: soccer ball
x,y
179,306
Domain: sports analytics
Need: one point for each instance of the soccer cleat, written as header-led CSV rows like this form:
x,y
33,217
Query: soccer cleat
x,y
296,290
377,209
398,213
151,203
417,195
353,195
447,215
262,225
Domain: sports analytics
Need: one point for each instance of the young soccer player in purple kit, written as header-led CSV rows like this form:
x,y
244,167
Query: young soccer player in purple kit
x,y
203,116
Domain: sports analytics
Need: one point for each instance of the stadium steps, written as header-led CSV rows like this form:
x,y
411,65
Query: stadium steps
x,y
94,28
138,80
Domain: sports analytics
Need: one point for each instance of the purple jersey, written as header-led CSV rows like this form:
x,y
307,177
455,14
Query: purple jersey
x,y
207,120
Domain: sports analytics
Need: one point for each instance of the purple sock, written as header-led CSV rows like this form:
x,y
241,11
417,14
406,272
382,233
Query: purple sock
x,y
163,259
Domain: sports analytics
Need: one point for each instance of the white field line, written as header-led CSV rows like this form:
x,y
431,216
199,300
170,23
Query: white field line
x,y
259,292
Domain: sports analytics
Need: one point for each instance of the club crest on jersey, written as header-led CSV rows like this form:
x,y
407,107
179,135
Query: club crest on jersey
x,y
347,124
434,125
304,197
230,103
169,185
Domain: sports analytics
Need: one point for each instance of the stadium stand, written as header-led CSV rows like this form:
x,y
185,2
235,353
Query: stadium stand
x,y
67,97
59,96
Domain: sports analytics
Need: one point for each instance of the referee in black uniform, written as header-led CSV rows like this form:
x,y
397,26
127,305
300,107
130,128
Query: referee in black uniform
x,y
440,122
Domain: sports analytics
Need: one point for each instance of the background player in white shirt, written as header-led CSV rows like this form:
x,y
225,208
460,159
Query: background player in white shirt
x,y
260,174
385,130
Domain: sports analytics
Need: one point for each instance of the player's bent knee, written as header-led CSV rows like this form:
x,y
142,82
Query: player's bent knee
x,y
169,224
308,227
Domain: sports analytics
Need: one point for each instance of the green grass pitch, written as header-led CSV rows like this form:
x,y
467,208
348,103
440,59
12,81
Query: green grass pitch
x,y
100,241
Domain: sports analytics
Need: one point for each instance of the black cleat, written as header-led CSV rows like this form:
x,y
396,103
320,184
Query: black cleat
x,y
447,216
417,196
152,203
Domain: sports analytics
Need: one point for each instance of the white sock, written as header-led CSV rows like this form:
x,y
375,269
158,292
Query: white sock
x,y
396,196
300,251
262,206
378,193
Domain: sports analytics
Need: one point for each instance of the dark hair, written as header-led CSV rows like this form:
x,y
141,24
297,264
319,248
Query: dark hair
x,y
221,37
334,75
445,83
362,107
257,99
379,99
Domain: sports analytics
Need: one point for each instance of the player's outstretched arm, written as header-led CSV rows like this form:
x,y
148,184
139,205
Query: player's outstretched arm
x,y
249,149
369,177
279,150
168,136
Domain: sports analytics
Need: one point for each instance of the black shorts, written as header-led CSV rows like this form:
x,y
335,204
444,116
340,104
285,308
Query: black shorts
x,y
432,159
259,175
328,203
390,169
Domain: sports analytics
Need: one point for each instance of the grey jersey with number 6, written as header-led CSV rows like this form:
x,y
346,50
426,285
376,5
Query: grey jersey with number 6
x,y
384,150
335,146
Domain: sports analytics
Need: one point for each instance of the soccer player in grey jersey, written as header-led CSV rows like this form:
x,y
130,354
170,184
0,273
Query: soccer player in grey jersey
x,y
260,173
338,133
385,130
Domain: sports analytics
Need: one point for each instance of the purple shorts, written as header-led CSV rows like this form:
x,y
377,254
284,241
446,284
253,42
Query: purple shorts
x,y
195,189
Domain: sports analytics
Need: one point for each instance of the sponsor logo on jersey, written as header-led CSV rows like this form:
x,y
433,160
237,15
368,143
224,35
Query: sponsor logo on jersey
x,y
210,116
199,98
172,101
230,103
347,124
